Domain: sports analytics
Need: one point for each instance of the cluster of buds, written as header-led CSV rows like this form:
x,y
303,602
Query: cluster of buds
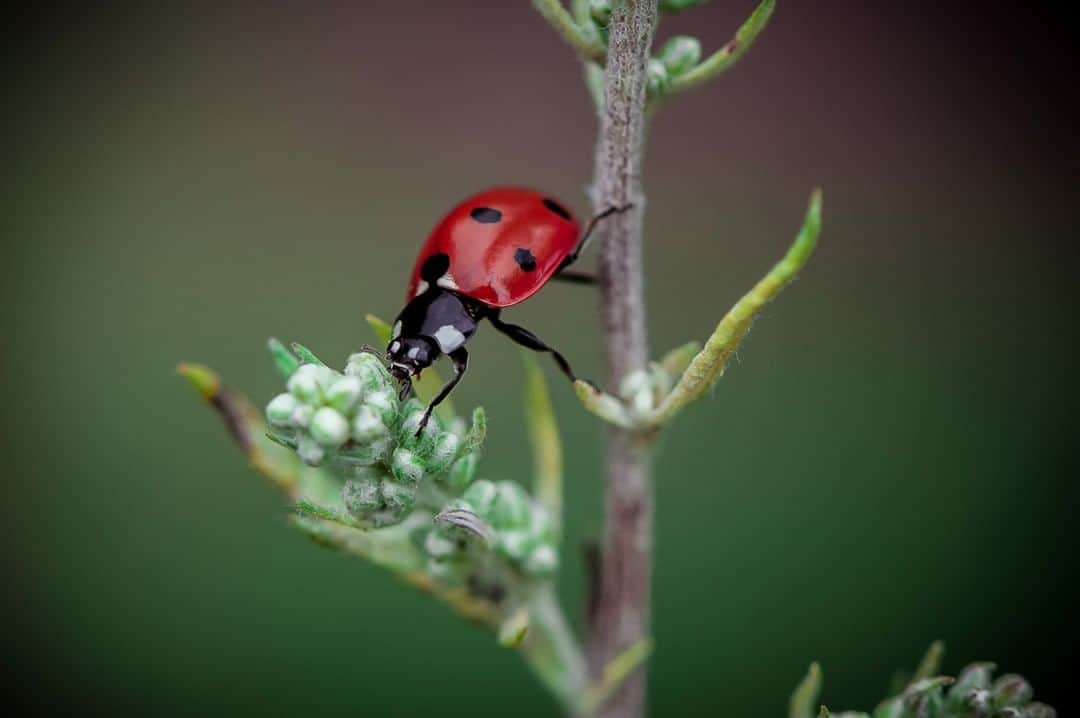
x,y
972,695
354,424
499,517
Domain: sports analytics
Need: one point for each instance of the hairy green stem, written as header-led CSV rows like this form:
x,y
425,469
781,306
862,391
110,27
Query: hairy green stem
x,y
553,653
619,616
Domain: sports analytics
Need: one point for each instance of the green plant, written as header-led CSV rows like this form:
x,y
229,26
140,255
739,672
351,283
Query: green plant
x,y
342,446
925,694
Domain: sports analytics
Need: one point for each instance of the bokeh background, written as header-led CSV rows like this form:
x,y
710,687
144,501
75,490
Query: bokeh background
x,y
890,461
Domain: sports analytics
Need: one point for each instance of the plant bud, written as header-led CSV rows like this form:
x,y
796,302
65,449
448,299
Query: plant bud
x,y
443,453
329,427
511,509
543,560
304,384
301,416
370,371
974,676
680,54
600,12
309,451
344,394
425,442
384,404
1011,690
463,471
481,495
366,426
397,498
516,545
361,497
280,409
637,390
406,467
659,80
438,545
365,455
1038,710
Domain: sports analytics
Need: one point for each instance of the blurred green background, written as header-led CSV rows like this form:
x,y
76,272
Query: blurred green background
x,y
890,460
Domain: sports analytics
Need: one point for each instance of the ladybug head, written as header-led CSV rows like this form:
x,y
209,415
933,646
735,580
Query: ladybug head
x,y
409,356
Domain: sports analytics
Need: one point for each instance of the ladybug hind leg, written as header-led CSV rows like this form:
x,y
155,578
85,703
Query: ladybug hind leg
x,y
527,339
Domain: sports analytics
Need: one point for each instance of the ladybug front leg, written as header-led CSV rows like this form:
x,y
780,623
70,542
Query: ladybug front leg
x,y
460,359
584,241
527,339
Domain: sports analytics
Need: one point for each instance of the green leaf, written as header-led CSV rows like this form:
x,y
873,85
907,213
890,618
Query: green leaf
x,y
710,362
514,629
604,405
306,355
544,437
284,360
382,329
931,662
804,698
723,59
474,437
676,360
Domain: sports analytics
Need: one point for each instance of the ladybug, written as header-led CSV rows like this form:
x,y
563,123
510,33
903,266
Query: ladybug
x,y
493,250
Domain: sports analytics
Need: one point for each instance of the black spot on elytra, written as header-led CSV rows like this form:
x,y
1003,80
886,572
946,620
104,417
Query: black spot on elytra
x,y
556,208
434,267
525,259
486,215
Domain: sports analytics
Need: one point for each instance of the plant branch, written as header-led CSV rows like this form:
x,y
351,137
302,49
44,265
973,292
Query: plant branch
x,y
621,618
563,22
724,58
710,362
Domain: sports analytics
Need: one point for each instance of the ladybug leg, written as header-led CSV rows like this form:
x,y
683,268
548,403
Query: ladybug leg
x,y
584,241
460,359
527,339
576,277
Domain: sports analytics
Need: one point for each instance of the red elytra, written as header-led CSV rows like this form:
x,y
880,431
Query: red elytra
x,y
503,245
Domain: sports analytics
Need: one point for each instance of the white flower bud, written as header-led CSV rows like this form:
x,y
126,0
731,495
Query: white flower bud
x,y
280,410
301,415
438,545
406,467
309,451
344,394
366,426
361,497
542,560
366,367
444,451
463,471
304,384
481,494
397,498
329,427
516,545
383,404
511,509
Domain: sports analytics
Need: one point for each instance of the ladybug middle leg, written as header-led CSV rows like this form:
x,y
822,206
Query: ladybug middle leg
x,y
527,339
460,359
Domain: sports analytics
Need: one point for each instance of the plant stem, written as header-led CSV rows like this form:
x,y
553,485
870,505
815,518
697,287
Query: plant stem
x,y
620,613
